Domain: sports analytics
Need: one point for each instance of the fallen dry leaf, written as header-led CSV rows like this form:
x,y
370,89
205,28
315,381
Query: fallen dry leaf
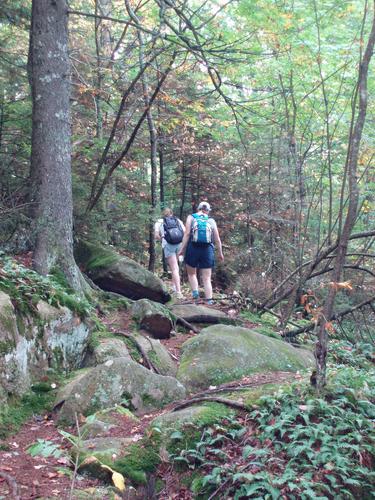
x,y
118,481
51,475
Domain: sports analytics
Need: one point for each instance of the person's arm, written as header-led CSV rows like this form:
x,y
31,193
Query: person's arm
x,y
157,231
186,237
218,241
182,225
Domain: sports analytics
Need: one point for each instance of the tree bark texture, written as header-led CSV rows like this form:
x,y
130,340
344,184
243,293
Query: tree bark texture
x,y
51,133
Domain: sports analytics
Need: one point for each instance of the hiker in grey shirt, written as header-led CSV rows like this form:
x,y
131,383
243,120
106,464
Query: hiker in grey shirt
x,y
170,230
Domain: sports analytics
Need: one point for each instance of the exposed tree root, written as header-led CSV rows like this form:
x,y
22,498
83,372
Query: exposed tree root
x,y
12,485
143,353
186,324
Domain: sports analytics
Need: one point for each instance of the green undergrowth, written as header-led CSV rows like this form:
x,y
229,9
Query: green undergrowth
x,y
344,353
141,459
296,444
93,256
267,324
26,288
35,403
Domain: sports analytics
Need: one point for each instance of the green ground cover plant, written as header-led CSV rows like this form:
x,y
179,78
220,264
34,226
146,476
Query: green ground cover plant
x,y
26,288
12,416
295,444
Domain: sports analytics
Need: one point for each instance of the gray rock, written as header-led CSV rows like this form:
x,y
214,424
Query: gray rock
x,y
107,349
95,428
158,355
29,346
103,448
116,273
153,317
222,353
110,383
200,314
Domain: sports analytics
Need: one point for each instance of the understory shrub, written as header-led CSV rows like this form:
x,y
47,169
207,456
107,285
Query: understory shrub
x,y
295,445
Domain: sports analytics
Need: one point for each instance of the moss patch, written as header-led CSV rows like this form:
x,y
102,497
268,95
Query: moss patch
x,y
18,411
140,459
26,288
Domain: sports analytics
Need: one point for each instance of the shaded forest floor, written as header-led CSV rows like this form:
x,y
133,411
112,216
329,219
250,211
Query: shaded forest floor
x,y
47,477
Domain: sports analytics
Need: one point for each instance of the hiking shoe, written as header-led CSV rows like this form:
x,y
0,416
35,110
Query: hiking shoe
x,y
195,294
210,302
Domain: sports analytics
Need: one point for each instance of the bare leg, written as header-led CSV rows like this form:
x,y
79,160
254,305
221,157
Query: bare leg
x,y
192,275
206,278
173,264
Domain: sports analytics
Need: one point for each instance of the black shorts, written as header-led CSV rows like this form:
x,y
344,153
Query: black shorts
x,y
200,256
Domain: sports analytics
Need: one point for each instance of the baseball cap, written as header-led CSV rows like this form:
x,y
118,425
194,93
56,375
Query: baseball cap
x,y
204,205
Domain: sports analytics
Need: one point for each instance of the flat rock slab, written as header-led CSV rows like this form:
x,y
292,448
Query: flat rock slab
x,y
200,314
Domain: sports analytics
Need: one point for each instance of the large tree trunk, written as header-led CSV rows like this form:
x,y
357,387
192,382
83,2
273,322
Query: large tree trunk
x,y
51,149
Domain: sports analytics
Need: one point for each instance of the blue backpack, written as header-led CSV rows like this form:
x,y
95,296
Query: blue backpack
x,y
201,229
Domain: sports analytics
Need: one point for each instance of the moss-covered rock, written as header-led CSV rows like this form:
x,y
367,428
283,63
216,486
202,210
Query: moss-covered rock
x,y
224,353
114,382
8,324
54,337
95,428
94,493
198,416
105,449
140,459
116,273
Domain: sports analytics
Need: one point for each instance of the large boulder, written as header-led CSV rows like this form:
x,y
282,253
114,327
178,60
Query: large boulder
x,y
113,382
116,273
222,353
200,314
54,337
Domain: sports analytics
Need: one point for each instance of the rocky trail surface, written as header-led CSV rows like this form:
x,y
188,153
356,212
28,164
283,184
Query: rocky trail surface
x,y
27,477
